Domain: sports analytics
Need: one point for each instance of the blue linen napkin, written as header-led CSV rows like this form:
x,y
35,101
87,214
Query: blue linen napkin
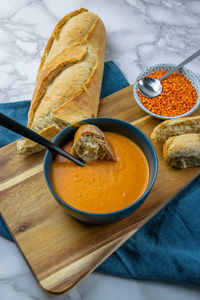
x,y
168,246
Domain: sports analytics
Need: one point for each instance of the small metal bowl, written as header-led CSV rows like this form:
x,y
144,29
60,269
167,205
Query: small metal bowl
x,y
186,72
113,125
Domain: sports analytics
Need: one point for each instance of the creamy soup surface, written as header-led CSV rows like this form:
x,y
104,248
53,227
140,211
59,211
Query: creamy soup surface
x,y
103,186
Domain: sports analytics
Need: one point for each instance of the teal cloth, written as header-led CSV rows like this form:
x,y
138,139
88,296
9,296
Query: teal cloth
x,y
168,246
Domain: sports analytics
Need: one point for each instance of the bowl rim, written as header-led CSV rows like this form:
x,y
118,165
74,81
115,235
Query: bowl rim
x,y
143,196
148,70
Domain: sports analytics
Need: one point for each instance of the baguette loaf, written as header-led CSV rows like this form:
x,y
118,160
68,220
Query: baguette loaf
x,y
69,78
182,151
176,127
90,144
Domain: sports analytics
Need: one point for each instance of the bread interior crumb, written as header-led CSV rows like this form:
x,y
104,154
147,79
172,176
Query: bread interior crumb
x,y
88,148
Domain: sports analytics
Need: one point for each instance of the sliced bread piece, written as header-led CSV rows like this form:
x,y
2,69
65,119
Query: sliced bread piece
x,y
182,151
90,144
176,127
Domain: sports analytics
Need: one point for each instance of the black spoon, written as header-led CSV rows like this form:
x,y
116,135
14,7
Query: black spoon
x,y
13,125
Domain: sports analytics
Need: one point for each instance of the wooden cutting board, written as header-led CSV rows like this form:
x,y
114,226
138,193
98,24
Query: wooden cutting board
x,y
60,250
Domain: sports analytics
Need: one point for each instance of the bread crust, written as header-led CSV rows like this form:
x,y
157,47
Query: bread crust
x,y
176,127
69,77
98,136
182,151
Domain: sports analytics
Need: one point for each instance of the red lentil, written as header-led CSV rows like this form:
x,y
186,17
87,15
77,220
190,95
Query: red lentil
x,y
178,95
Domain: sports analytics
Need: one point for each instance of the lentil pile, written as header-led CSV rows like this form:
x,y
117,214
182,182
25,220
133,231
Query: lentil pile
x,y
178,95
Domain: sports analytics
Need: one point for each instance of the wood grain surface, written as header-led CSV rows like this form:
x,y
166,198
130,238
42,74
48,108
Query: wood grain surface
x,y
59,249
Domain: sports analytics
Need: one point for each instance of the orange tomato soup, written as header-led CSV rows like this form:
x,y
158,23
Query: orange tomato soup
x,y
103,186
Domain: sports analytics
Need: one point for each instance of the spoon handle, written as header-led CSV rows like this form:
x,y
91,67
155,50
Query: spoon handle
x,y
13,125
186,61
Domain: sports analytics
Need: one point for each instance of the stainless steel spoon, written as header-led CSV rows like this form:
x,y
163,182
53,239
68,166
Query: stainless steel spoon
x,y
13,125
150,87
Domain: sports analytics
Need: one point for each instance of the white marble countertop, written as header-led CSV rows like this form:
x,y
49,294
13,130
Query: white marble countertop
x,y
139,33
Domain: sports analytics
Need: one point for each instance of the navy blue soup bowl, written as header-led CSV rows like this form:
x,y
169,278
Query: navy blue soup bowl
x,y
113,125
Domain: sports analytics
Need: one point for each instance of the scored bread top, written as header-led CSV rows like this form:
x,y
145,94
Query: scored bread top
x,y
68,32
69,78
74,29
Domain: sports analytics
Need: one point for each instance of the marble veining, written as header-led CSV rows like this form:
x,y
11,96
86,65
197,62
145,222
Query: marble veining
x,y
140,33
